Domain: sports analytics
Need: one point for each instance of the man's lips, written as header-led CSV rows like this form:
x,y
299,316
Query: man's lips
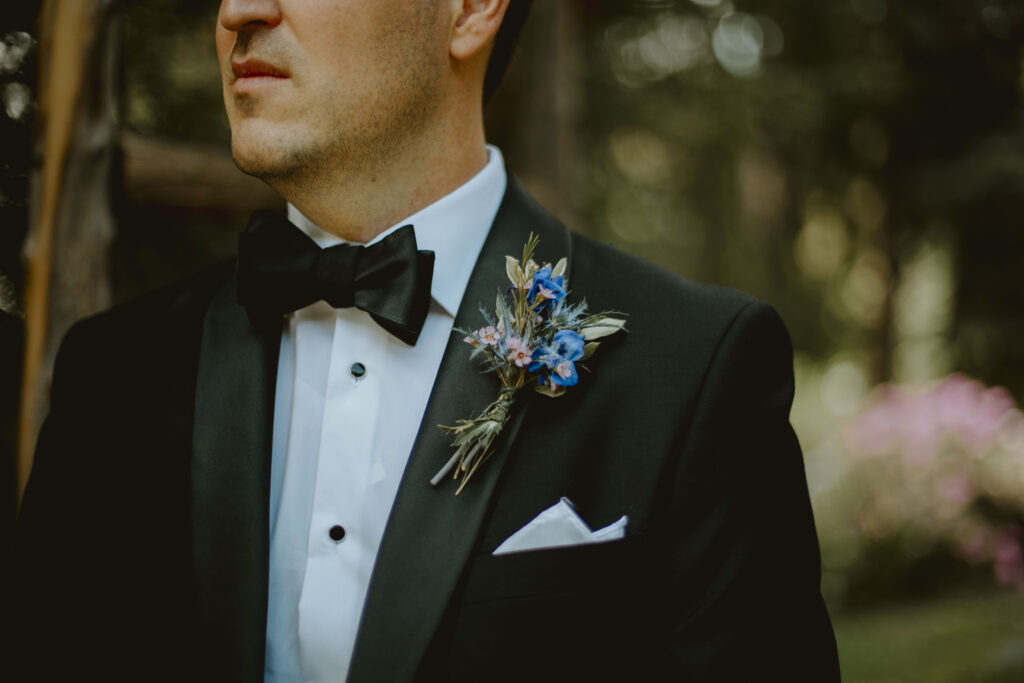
x,y
256,68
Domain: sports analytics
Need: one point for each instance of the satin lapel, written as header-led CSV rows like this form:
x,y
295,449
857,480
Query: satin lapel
x,y
431,532
231,484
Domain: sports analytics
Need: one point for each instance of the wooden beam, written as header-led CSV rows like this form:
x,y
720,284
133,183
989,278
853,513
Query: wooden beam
x,y
164,173
67,269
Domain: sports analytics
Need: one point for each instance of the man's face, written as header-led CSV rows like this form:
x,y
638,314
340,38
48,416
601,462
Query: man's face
x,y
314,85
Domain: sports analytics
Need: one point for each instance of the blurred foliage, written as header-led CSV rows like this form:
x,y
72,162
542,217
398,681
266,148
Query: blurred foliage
x,y
808,152
172,80
955,640
927,493
18,66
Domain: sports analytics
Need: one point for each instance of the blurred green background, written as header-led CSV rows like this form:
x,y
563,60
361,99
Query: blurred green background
x,y
859,164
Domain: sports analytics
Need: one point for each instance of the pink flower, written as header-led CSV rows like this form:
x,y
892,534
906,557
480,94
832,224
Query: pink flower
x,y
957,489
878,428
489,335
564,370
919,423
1009,560
518,352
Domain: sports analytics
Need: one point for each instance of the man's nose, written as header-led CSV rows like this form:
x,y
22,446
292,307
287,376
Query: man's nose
x,y
237,14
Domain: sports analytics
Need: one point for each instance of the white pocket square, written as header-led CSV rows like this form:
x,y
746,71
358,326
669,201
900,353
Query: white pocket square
x,y
557,526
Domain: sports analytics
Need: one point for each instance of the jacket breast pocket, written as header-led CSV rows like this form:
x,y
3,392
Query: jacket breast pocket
x,y
543,614
588,568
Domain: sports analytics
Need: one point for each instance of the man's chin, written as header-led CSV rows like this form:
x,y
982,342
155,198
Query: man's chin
x,y
251,165
258,146
276,152
261,161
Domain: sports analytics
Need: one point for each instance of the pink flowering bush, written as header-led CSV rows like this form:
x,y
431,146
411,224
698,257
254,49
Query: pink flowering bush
x,y
939,467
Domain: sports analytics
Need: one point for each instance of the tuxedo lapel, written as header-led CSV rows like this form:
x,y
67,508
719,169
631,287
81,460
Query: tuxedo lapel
x,y
232,432
431,532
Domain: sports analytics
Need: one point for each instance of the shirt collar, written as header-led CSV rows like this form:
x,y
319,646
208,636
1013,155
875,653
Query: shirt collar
x,y
454,228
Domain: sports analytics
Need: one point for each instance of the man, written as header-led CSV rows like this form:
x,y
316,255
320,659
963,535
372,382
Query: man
x,y
227,489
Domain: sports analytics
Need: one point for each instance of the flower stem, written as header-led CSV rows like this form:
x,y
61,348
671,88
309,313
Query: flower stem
x,y
463,465
469,474
447,466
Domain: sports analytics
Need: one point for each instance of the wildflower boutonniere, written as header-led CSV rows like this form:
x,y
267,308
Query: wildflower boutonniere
x,y
536,338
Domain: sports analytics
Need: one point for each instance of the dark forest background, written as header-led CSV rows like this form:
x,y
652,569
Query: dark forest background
x,y
859,164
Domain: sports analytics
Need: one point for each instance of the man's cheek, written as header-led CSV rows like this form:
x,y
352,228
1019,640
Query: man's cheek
x,y
223,39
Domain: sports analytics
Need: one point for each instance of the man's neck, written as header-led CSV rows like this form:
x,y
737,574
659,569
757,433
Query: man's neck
x,y
358,203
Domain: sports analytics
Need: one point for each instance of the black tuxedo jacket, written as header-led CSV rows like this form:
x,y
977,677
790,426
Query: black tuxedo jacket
x,y
143,539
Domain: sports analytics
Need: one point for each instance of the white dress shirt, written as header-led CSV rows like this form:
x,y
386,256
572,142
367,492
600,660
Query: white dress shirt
x,y
350,397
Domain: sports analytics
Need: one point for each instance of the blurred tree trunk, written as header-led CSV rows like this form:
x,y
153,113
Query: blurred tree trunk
x,y
534,116
72,224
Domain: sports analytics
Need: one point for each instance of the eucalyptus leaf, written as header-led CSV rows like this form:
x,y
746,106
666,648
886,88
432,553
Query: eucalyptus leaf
x,y
588,350
560,267
514,272
547,390
603,328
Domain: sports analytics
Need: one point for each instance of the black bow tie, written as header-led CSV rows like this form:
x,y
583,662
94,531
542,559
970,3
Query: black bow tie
x,y
280,270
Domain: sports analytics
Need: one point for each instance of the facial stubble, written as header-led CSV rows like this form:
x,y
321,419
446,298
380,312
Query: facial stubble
x,y
338,134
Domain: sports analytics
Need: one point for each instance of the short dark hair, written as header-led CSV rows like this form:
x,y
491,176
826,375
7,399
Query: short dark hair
x,y
505,44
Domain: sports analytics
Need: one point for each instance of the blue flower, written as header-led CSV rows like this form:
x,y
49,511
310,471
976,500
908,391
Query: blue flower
x,y
556,361
568,344
548,288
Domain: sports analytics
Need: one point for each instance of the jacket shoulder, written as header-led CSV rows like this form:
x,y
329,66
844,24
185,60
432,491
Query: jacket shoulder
x,y
179,303
123,344
614,280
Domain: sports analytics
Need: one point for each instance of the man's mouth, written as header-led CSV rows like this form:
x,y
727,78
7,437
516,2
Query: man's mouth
x,y
253,76
256,68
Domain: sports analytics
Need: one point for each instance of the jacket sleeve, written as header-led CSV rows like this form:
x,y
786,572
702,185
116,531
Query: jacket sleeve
x,y
54,563
101,577
745,567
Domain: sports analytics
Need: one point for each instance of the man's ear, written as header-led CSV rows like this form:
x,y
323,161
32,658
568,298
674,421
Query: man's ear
x,y
476,23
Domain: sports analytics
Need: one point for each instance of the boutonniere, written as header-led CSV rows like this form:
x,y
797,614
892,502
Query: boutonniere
x,y
535,338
